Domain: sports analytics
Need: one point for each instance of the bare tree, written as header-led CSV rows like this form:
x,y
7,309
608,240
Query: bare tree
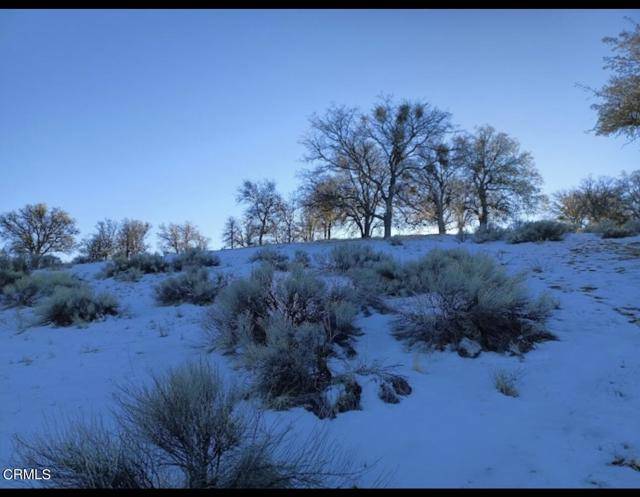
x,y
349,172
307,224
262,201
131,237
619,107
570,206
249,232
401,132
504,179
285,221
631,192
36,230
178,238
428,196
461,200
321,199
603,199
102,244
232,234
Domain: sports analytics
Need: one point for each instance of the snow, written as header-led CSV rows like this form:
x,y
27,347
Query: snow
x,y
579,402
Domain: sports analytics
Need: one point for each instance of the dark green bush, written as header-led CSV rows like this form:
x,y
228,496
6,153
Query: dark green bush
x,y
348,256
538,231
285,330
630,228
194,287
489,233
471,296
271,256
194,258
243,307
143,263
67,306
29,288
9,276
301,258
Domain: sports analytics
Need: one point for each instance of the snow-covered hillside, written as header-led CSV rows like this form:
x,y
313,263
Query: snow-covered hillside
x,y
578,408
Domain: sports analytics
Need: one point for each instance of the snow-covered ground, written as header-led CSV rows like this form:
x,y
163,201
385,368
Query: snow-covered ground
x,y
579,403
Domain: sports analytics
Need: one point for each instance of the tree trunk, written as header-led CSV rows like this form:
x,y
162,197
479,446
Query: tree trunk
x,y
366,233
388,217
442,228
483,218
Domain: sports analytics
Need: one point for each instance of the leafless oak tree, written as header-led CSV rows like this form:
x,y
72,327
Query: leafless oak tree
x,y
36,230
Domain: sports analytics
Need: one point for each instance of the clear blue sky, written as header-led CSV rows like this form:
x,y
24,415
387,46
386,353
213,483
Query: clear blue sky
x,y
159,115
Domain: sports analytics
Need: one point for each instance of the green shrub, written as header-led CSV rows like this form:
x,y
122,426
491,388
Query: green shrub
x,y
471,296
489,233
26,290
194,287
285,330
67,306
600,226
538,231
301,258
630,228
45,262
85,454
131,275
240,308
186,429
271,256
290,368
9,276
243,307
14,263
347,256
385,277
144,263
194,258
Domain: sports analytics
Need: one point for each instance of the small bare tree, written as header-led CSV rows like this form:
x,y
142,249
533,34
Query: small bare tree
x,y
178,238
603,199
232,234
324,206
36,230
285,220
131,237
461,200
102,244
570,206
262,201
428,196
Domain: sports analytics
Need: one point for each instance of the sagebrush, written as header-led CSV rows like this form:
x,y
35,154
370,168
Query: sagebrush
x,y
194,287
271,256
185,429
76,305
194,258
142,263
538,231
27,289
471,296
